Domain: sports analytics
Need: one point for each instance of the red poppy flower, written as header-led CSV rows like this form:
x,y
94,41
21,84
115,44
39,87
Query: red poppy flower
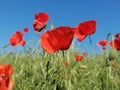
x,y
57,39
85,28
40,21
102,42
6,83
116,44
16,38
117,36
78,57
26,30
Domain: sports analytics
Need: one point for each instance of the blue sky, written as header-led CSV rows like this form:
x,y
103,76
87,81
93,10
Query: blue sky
x,y
17,14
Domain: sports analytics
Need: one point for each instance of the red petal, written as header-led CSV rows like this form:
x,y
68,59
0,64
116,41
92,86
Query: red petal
x,y
42,17
80,37
38,26
7,84
8,69
19,34
57,39
102,42
16,38
84,29
78,58
40,21
116,44
13,41
117,35
22,43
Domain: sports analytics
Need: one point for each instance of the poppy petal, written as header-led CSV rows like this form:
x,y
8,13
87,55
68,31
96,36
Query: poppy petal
x,y
80,37
16,38
6,82
22,42
8,69
38,26
40,21
42,17
116,44
78,57
117,35
102,42
13,41
85,28
57,39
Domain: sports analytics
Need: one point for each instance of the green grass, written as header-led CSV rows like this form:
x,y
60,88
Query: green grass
x,y
33,71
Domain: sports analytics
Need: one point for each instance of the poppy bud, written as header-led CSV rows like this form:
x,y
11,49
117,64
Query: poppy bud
x,y
113,53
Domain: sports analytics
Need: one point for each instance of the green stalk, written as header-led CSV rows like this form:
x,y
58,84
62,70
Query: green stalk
x,y
107,77
63,53
90,40
47,68
107,61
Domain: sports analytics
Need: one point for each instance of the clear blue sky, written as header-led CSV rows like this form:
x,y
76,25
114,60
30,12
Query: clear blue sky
x,y
17,14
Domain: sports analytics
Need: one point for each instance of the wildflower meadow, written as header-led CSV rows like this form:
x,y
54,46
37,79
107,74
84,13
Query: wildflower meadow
x,y
52,63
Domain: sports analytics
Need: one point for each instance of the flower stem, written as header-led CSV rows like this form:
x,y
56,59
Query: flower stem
x,y
107,71
90,40
63,53
107,60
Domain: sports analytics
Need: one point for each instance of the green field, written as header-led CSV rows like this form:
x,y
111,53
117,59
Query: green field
x,y
35,71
